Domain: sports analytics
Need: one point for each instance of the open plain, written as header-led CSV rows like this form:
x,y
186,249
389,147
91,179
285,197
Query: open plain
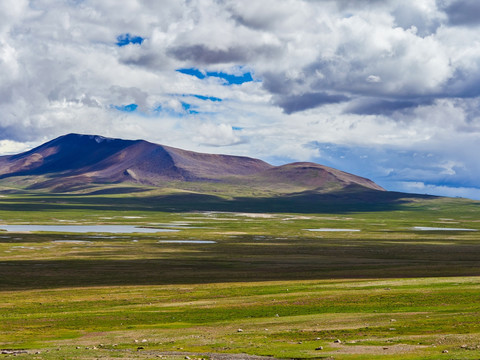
x,y
405,284
240,180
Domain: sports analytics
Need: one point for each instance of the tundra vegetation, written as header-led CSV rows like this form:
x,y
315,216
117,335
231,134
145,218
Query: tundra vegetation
x,y
299,285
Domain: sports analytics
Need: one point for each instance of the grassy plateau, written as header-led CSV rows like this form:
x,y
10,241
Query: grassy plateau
x,y
399,280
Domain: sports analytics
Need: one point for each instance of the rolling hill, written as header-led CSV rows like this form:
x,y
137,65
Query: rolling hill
x,y
72,162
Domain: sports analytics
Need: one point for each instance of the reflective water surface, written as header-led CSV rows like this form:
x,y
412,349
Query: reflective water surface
x,y
114,229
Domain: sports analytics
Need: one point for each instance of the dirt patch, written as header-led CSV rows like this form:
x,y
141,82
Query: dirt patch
x,y
377,350
218,356
211,356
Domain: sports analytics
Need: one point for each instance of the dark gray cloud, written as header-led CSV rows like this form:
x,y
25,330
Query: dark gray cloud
x,y
11,132
146,59
255,23
357,4
374,106
408,17
202,54
278,83
464,83
295,103
462,12
265,15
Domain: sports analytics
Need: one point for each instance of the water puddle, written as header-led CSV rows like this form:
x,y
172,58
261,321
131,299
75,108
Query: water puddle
x,y
334,230
23,247
427,228
188,241
114,229
72,241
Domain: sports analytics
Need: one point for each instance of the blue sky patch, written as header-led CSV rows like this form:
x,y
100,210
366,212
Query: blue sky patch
x,y
211,98
126,39
127,108
232,79
228,78
391,167
189,108
192,72
186,106
236,128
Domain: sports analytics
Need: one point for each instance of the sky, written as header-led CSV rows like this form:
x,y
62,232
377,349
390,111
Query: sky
x,y
384,89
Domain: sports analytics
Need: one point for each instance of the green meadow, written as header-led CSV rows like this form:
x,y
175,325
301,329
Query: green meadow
x,y
354,281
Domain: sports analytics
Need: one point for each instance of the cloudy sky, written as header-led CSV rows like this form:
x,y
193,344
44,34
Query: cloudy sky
x,y
385,89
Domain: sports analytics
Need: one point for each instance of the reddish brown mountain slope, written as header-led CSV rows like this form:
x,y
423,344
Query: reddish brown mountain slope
x,y
76,159
312,175
90,158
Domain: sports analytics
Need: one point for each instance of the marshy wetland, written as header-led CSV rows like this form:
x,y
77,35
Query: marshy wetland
x,y
240,283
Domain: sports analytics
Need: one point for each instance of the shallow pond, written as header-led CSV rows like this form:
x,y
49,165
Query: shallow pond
x,y
114,229
426,228
188,241
329,229
72,241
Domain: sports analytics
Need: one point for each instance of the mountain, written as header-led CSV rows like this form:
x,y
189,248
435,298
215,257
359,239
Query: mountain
x,y
312,176
75,161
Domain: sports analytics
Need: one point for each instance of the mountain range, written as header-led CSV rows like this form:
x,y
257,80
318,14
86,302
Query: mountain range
x,y
74,162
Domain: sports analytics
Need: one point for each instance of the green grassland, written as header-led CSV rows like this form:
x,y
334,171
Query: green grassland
x,y
388,291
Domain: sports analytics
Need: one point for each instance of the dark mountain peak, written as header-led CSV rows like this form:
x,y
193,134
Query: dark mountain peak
x,y
79,142
71,153
98,159
73,138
